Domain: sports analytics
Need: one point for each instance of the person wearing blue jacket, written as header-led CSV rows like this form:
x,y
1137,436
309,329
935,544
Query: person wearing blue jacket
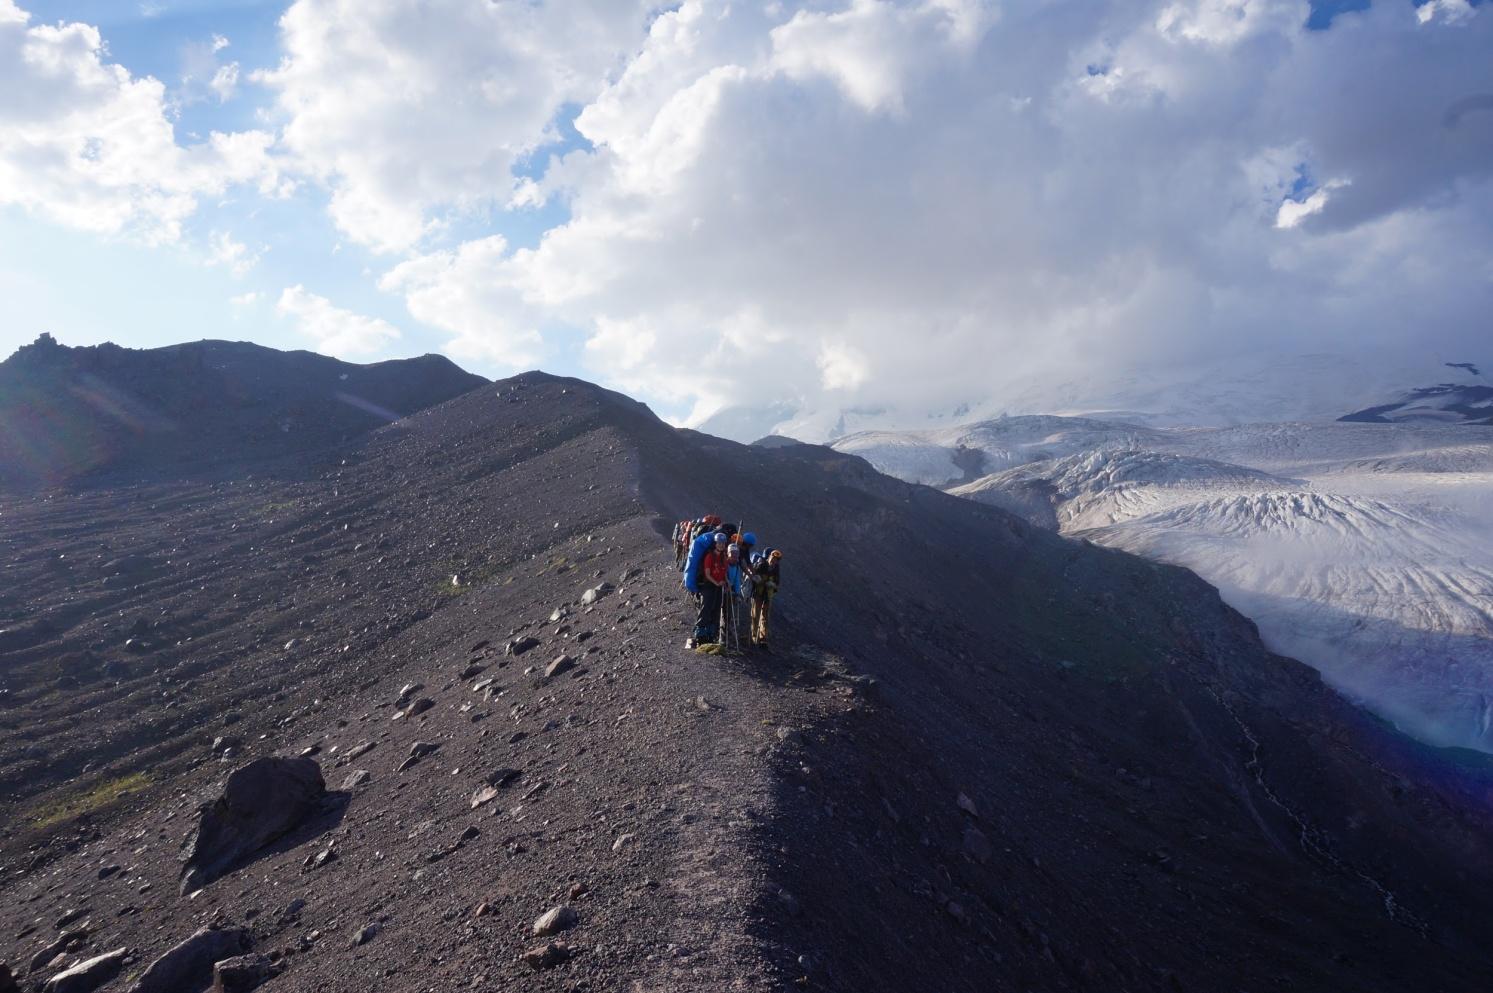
x,y
697,550
742,560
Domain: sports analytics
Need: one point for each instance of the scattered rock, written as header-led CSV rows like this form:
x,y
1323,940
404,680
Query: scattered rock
x,y
502,777
623,840
224,742
596,593
407,691
547,956
420,706
88,975
241,973
561,664
976,845
520,645
418,751
71,916
473,670
561,918
64,941
109,870
356,778
319,859
365,934
484,796
189,965
968,806
260,802
357,751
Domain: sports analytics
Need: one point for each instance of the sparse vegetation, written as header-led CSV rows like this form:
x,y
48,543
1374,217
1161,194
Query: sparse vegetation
x,y
90,800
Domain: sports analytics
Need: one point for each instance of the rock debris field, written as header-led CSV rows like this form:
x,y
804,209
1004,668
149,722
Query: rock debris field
x,y
412,712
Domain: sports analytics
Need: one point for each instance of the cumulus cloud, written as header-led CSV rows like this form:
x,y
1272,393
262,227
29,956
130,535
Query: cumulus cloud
x,y
908,202
469,293
870,204
404,108
86,144
337,332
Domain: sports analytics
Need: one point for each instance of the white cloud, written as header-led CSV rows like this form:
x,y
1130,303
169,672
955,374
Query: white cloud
x,y
469,293
915,204
244,301
224,251
1445,11
203,75
842,366
849,202
872,49
225,82
337,332
86,144
409,107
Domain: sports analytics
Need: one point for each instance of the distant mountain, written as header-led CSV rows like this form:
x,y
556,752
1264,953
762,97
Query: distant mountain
x,y
68,412
1448,402
776,441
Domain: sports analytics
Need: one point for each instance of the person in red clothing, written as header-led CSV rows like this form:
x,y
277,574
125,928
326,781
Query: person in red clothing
x,y
714,574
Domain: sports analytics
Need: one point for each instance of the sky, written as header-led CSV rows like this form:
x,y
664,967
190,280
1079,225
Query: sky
x,y
810,207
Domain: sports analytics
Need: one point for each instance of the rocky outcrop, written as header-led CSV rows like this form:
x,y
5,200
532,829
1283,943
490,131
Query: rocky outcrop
x,y
260,802
189,965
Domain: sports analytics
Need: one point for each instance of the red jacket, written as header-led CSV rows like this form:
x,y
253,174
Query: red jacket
x,y
714,568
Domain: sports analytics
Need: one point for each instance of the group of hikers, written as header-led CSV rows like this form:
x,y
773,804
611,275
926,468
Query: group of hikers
x,y
724,571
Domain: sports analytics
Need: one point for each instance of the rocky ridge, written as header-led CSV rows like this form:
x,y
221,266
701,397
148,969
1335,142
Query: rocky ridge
x,y
983,757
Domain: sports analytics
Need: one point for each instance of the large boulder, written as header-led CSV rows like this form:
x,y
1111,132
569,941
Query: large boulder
x,y
189,965
89,975
260,802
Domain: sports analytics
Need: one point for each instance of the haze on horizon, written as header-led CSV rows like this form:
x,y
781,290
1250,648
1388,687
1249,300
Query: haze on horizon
x,y
903,204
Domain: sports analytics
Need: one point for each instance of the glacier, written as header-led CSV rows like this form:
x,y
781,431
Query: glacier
x,y
1363,549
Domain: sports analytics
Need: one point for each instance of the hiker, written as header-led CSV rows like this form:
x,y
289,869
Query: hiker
x,y
711,581
767,576
741,578
697,549
740,560
685,532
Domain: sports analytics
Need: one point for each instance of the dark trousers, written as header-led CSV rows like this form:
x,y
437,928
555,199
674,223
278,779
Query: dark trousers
x,y
708,622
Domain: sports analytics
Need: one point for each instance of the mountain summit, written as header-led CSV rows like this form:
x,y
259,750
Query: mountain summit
x,y
983,757
67,412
